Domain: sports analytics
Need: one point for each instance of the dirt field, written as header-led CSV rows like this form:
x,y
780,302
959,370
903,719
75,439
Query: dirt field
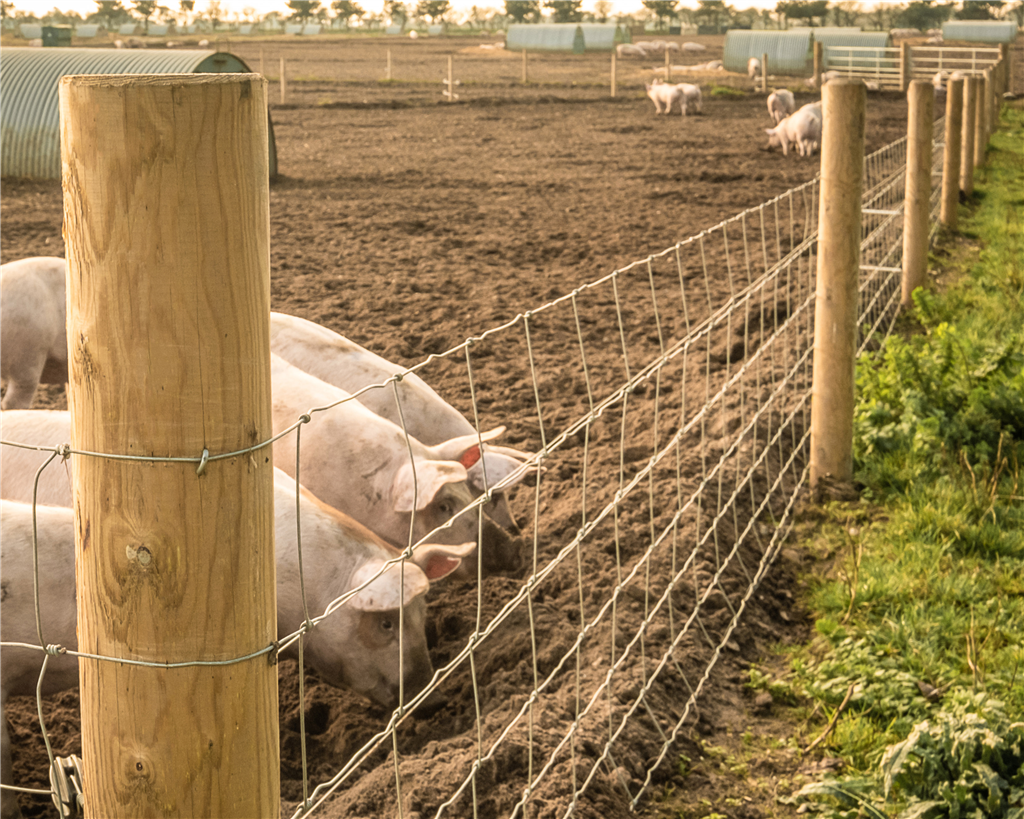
x,y
408,225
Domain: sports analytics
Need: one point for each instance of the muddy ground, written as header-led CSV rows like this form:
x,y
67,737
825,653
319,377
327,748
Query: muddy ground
x,y
409,224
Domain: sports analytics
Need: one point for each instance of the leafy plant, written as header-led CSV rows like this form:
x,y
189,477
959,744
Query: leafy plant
x,y
965,762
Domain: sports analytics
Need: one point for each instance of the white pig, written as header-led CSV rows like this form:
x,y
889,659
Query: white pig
x,y
357,646
690,100
753,67
357,462
360,464
18,466
33,341
427,417
780,104
663,95
802,129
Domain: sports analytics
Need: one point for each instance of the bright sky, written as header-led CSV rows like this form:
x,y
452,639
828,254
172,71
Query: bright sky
x,y
262,7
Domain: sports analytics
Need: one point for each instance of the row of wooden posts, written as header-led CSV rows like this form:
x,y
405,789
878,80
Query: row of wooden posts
x,y
972,112
818,63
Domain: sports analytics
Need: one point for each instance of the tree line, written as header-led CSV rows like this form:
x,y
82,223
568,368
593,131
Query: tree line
x,y
707,15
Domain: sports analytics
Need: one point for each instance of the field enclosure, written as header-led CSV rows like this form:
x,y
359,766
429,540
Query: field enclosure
x,y
410,225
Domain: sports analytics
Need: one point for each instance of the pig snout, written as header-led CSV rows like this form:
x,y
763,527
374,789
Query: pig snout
x,y
501,551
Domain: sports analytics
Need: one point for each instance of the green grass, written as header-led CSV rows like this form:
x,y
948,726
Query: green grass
x,y
924,617
726,91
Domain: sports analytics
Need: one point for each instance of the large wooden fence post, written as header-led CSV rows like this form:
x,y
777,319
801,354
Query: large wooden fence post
x,y
818,63
917,201
967,143
167,233
951,155
524,67
764,72
614,78
835,306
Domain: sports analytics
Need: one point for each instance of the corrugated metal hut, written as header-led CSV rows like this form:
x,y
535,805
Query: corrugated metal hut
x,y
826,29
875,43
789,52
30,120
604,36
545,37
980,31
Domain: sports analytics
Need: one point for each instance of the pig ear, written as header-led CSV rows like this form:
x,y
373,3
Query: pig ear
x,y
409,491
439,561
382,594
499,466
465,449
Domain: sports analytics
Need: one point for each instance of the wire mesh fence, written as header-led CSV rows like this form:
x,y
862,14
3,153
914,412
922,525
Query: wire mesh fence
x,y
666,409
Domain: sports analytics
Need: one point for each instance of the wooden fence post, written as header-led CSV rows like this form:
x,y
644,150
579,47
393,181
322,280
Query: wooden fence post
x,y
168,247
980,125
818,63
917,201
951,155
906,70
668,65
969,129
835,306
613,73
387,69
524,66
451,80
283,88
764,72
1007,53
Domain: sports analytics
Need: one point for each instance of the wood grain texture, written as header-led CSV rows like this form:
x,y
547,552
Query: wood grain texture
x,y
917,200
971,89
166,226
835,305
951,154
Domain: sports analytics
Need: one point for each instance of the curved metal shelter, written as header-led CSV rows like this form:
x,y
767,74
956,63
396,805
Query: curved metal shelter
x,y
789,52
980,31
30,119
604,36
545,37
